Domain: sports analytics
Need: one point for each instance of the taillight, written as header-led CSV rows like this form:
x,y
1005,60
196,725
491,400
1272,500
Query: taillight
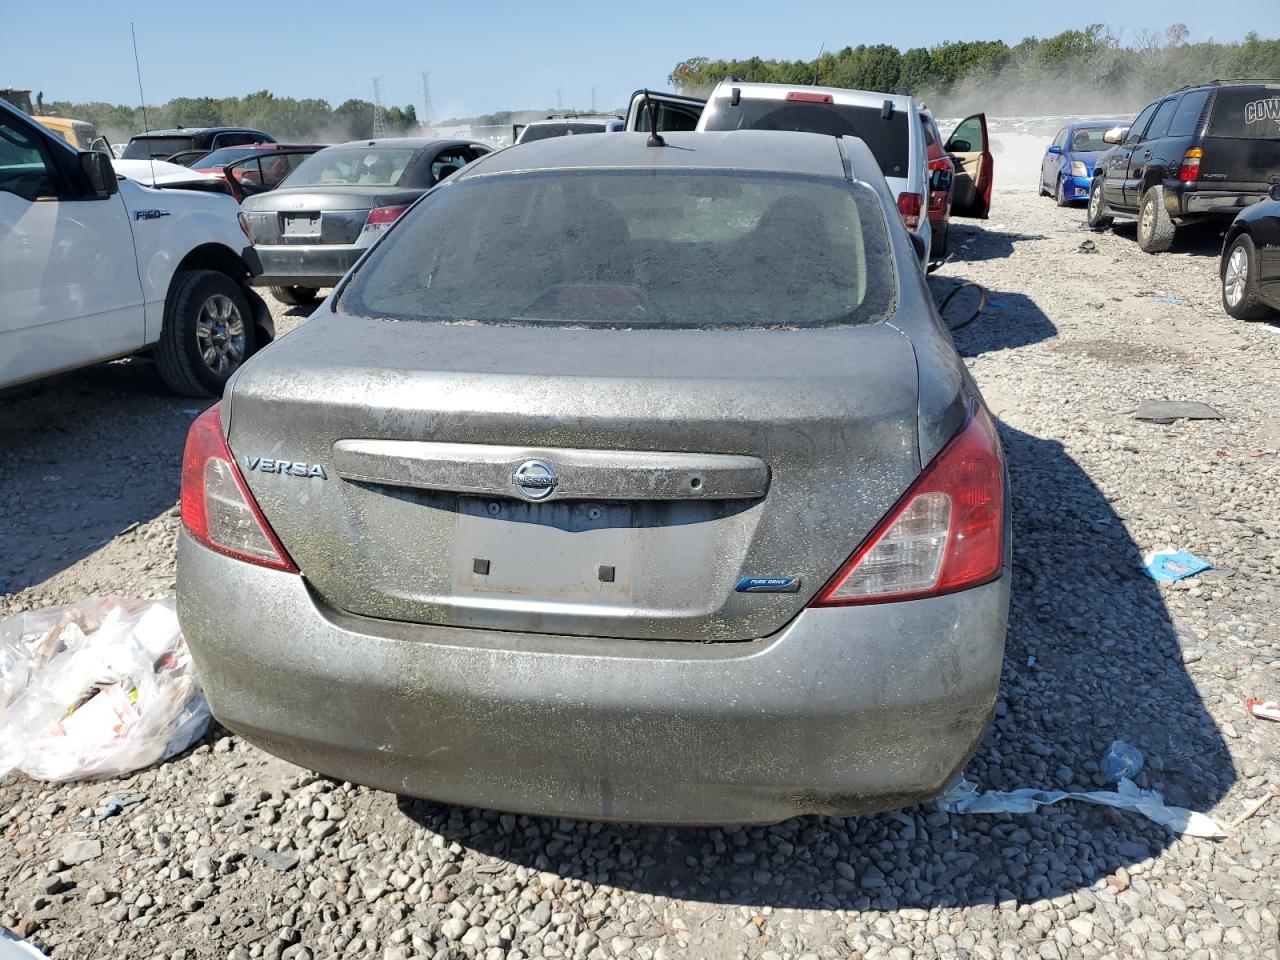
x,y
945,534
1189,172
381,216
802,96
217,507
909,206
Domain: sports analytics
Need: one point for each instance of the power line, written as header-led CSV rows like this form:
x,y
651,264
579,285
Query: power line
x,y
379,114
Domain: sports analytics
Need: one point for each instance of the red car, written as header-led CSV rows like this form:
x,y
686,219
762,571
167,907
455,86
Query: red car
x,y
939,186
255,167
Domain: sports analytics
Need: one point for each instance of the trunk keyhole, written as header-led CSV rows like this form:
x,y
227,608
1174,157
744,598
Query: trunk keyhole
x,y
695,483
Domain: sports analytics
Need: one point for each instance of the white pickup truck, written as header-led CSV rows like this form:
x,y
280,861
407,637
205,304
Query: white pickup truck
x,y
94,267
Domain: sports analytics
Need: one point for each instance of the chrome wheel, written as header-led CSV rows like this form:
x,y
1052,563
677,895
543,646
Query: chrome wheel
x,y
1236,277
1147,223
220,334
1095,201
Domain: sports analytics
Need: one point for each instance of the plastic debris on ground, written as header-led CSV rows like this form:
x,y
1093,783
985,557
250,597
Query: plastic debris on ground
x,y
1263,709
1122,760
1087,246
1170,298
13,947
1171,565
1167,411
96,689
964,796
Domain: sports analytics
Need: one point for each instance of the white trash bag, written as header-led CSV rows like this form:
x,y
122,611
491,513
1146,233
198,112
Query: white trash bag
x,y
96,689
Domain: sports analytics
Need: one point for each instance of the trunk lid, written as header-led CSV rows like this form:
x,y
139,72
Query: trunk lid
x,y
310,216
685,461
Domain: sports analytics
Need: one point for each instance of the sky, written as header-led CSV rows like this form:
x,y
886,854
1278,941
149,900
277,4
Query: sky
x,y
487,56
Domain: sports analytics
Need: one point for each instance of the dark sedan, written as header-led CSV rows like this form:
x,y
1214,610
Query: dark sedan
x,y
316,224
1250,267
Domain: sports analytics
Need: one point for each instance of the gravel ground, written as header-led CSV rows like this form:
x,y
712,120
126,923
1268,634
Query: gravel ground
x,y
236,854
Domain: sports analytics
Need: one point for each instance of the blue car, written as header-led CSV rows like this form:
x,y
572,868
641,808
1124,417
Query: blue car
x,y
1067,167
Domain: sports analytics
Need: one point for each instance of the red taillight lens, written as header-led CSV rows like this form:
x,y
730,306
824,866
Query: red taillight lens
x,y
909,205
384,215
945,534
801,96
217,507
1189,172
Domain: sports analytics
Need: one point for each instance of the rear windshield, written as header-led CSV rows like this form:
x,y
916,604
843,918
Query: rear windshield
x,y
1089,139
889,139
1246,112
545,131
354,166
220,158
144,148
635,248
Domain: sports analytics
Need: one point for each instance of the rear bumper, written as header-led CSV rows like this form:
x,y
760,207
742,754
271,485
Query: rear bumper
x,y
845,711
1183,202
304,266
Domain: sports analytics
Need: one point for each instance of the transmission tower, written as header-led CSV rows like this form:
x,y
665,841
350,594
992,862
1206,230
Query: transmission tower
x,y
593,99
426,98
379,116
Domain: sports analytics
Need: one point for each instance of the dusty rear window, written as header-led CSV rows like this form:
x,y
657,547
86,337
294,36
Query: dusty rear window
x,y
144,148
640,248
1246,112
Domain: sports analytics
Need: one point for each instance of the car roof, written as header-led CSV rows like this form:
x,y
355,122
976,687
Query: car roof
x,y
754,150
193,132
779,91
413,142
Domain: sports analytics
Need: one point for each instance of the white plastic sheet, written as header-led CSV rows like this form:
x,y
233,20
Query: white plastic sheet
x,y
96,689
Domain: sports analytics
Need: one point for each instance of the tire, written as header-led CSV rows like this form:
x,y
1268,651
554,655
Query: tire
x,y
1040,188
1060,194
1239,271
1155,229
938,245
295,296
208,332
1099,219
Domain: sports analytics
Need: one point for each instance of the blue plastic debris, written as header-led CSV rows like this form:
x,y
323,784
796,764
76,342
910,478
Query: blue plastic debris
x,y
1171,565
1171,299
1122,760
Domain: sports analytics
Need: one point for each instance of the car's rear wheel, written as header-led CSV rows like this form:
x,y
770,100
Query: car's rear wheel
x,y
295,296
208,332
1060,194
1155,227
1099,219
1240,296
1040,188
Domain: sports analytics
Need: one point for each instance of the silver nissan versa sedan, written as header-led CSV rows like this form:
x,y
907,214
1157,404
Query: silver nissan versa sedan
x,y
617,481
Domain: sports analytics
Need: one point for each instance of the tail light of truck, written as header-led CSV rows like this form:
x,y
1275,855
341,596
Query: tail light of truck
x,y
945,534
217,508
909,205
1189,172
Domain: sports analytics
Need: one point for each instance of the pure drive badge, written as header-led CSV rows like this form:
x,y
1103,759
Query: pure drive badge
x,y
289,467
768,585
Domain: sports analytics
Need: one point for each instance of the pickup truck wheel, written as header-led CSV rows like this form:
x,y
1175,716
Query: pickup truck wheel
x,y
1098,218
1155,228
295,296
1240,281
208,332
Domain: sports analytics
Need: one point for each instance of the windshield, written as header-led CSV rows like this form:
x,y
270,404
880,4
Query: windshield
x,y
888,139
220,158
635,248
544,131
354,166
1089,139
144,148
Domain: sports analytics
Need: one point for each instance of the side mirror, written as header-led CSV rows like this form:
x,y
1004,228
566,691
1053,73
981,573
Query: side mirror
x,y
99,174
959,146
1275,191
917,242
1115,135
1055,149
941,180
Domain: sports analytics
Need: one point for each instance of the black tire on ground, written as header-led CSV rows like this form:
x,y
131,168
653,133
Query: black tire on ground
x,y
938,243
295,296
1060,194
1099,219
208,332
1155,228
1240,264
1040,188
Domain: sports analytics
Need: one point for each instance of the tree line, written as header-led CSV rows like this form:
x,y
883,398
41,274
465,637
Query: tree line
x,y
283,117
1074,71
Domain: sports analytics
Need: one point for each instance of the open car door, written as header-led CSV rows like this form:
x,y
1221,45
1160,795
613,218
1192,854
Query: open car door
x,y
674,112
258,174
970,151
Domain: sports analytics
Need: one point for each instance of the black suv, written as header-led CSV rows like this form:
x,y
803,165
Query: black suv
x,y
162,144
1203,151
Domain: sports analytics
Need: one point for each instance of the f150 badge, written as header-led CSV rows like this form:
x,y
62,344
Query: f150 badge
x,y
269,465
